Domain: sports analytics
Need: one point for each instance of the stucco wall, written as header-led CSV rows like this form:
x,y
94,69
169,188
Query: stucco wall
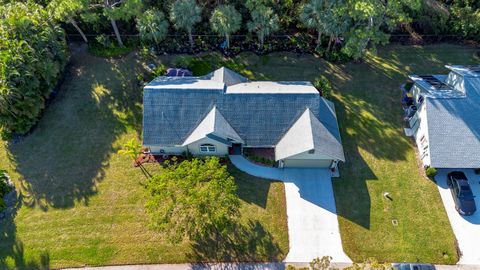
x,y
168,150
420,132
194,148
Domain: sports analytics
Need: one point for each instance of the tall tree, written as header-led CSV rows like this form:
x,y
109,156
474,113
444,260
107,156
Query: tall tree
x,y
152,26
466,18
371,19
192,198
226,20
313,15
336,20
66,11
184,15
264,20
115,10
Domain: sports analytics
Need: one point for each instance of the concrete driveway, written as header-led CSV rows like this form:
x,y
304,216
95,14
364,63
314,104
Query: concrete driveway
x,y
466,229
312,220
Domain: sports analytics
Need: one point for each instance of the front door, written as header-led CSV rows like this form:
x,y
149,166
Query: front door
x,y
236,149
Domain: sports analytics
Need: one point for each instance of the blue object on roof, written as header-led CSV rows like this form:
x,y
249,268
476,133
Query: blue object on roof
x,y
178,72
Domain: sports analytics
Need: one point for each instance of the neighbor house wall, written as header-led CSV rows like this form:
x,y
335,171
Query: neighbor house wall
x,y
422,132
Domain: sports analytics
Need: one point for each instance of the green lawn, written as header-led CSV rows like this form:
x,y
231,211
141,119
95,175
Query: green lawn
x,y
82,203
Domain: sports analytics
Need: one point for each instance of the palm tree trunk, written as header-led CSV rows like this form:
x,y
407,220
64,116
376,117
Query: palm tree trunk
x,y
190,38
74,23
319,38
117,33
329,44
228,40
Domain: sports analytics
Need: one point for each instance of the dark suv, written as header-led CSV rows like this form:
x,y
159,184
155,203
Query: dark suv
x,y
462,193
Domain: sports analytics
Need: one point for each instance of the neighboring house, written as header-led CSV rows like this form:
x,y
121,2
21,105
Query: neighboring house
x,y
446,126
222,113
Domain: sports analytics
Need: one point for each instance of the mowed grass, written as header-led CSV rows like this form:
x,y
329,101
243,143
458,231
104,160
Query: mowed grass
x,y
83,204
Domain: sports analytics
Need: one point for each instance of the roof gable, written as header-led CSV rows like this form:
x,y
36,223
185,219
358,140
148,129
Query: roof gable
x,y
307,134
226,76
213,123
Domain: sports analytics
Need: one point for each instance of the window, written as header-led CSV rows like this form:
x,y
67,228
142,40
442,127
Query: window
x,y
207,148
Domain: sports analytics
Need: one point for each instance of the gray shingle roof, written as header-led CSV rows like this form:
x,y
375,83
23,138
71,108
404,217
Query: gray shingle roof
x,y
172,113
454,128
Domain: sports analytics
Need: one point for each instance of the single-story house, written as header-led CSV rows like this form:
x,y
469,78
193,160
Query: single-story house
x,y
446,124
223,113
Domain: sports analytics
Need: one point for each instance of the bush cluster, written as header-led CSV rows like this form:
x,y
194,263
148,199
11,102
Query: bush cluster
x,y
431,172
4,188
33,56
323,85
261,160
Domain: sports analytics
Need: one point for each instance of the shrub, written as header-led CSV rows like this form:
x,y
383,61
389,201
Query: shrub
x,y
33,56
431,172
4,188
111,50
193,198
323,85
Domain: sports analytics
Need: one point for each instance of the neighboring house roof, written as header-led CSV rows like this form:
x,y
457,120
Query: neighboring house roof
x,y
213,124
174,109
314,137
454,125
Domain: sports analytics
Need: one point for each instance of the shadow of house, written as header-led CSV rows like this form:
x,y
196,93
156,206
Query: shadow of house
x,y
61,161
243,243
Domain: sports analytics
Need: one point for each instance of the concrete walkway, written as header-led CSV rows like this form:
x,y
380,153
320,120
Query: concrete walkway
x,y
312,220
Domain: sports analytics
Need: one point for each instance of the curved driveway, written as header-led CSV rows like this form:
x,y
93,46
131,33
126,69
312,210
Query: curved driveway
x,y
312,219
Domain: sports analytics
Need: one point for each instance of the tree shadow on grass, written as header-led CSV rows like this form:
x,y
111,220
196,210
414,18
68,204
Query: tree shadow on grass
x,y
63,159
12,250
245,243
250,189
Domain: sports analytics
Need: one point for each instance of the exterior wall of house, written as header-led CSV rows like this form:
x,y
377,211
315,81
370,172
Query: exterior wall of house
x,y
421,136
169,150
221,149
306,160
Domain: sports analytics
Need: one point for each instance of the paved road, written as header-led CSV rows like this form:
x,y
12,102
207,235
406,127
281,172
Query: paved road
x,y
466,229
243,266
312,220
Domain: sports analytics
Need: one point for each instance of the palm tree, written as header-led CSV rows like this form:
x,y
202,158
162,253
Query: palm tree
x,y
264,22
313,16
184,14
226,20
152,26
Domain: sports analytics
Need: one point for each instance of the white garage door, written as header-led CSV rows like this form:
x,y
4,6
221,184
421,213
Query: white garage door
x,y
308,163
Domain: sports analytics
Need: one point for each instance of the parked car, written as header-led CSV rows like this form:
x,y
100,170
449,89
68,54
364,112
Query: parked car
x,y
462,193
412,266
